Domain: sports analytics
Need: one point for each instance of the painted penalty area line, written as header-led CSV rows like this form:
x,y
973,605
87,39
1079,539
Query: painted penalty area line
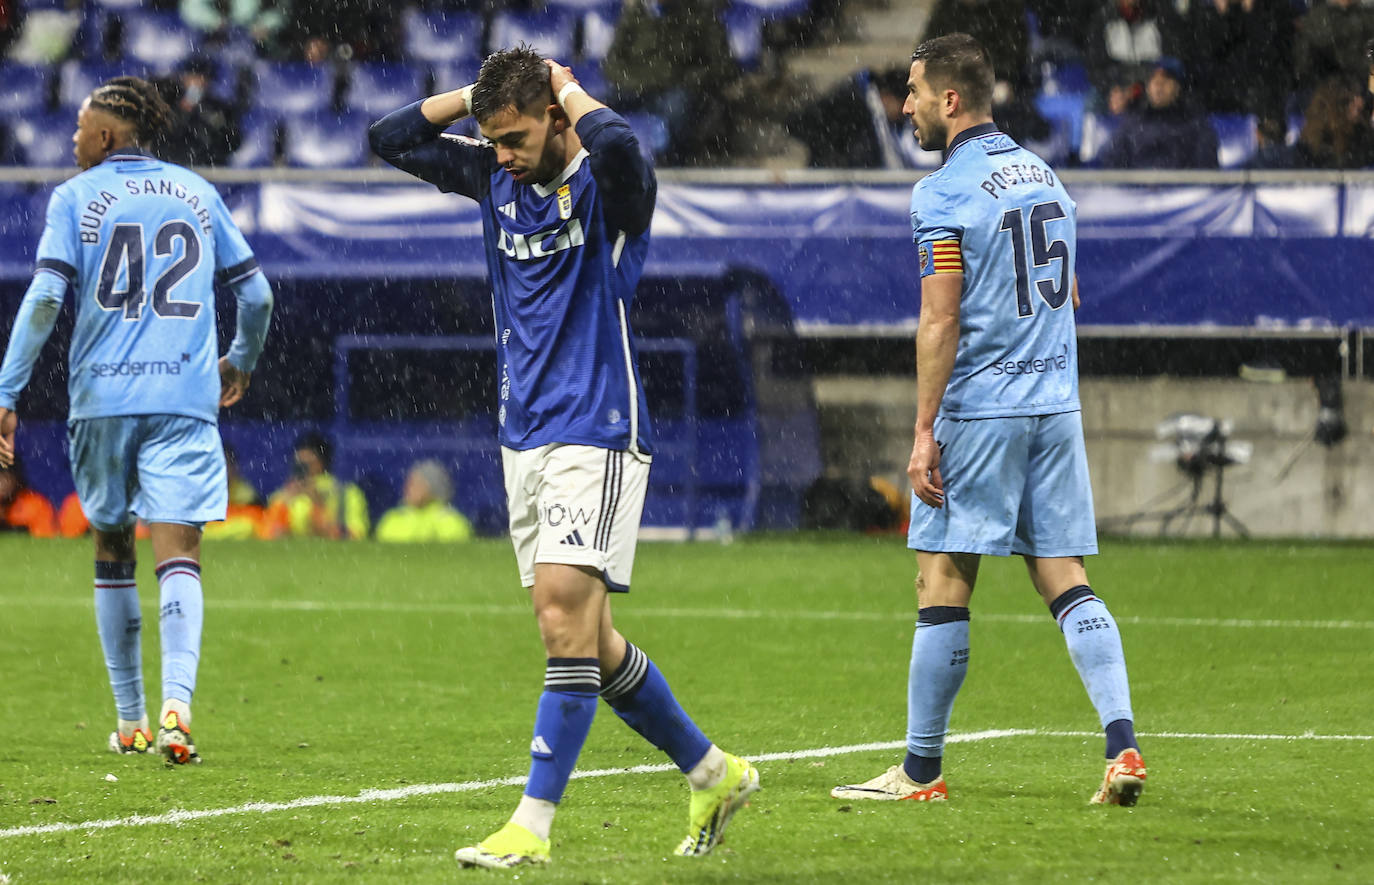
x,y
182,816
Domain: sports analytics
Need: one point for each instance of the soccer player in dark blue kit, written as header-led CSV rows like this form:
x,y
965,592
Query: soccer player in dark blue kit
x,y
998,464
566,202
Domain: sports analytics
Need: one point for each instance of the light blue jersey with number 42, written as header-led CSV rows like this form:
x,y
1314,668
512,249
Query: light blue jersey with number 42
x,y
1016,229
140,243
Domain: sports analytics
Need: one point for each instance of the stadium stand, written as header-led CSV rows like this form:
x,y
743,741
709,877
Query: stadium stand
x,y
549,30
45,139
1236,141
377,88
258,131
324,139
293,87
25,89
442,37
157,40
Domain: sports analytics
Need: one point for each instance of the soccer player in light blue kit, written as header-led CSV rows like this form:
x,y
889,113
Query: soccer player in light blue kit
x,y
140,244
998,466
566,202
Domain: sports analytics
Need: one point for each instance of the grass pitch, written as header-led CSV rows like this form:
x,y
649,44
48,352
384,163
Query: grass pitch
x,y
332,669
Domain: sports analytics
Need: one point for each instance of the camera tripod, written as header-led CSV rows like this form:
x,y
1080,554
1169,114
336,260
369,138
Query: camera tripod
x,y
1197,469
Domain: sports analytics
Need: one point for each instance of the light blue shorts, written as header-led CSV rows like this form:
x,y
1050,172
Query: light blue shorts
x,y
161,468
1012,485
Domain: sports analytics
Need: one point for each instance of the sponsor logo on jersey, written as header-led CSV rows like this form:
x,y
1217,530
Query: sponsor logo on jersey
x,y
1053,363
136,368
574,539
565,202
508,209
525,247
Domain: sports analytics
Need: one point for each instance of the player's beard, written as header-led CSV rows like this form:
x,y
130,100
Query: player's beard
x,y
931,136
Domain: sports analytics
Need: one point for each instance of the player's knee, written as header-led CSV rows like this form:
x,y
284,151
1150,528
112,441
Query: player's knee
x,y
566,629
117,545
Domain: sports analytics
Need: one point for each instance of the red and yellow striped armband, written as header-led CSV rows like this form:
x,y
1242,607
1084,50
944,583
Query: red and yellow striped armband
x,y
941,256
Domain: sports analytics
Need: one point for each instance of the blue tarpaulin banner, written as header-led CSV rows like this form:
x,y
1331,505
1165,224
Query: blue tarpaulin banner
x,y
1292,254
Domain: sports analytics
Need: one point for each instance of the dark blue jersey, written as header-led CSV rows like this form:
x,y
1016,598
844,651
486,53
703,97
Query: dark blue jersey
x,y
564,259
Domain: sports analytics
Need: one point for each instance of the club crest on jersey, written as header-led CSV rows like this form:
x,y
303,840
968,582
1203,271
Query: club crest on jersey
x,y
523,247
565,202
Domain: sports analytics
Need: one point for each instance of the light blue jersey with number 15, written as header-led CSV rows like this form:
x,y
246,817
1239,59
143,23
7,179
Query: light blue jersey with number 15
x,y
140,243
997,213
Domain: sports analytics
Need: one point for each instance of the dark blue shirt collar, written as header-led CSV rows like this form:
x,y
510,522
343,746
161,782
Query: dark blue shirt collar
x,y
972,132
129,153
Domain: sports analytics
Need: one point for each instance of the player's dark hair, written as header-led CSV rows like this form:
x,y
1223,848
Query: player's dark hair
x,y
959,62
137,102
511,78
1369,52
316,443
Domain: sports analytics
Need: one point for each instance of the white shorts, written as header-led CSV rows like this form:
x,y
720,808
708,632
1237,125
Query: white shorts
x,y
575,505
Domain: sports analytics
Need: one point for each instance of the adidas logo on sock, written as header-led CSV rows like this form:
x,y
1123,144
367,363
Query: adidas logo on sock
x,y
540,747
574,540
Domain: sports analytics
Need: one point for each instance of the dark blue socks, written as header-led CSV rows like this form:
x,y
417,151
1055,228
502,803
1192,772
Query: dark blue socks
x,y
641,697
566,709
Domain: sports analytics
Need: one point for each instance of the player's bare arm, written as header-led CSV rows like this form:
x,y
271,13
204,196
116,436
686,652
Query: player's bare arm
x,y
937,341
9,423
1075,293
570,95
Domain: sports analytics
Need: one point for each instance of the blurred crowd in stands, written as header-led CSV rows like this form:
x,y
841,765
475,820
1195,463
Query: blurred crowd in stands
x,y
311,503
1142,84
293,82
1110,83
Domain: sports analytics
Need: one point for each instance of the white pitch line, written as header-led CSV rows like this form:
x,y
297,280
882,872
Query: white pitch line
x,y
630,611
391,795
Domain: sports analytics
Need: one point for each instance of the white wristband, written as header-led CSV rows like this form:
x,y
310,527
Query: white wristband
x,y
466,93
568,89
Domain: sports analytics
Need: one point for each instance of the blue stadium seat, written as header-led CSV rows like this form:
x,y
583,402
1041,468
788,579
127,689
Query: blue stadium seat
x,y
1068,77
598,30
651,130
549,31
258,145
159,40
454,76
293,87
774,9
78,78
1098,130
1236,139
590,75
119,4
326,140
377,88
1065,113
744,30
45,139
451,37
611,7
26,87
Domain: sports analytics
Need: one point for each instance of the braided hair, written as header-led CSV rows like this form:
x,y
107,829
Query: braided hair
x,y
137,102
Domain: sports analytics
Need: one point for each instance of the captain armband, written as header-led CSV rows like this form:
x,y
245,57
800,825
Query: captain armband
x,y
940,256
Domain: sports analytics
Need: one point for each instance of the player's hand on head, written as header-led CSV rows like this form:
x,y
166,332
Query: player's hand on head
x,y
559,75
9,423
924,471
233,382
